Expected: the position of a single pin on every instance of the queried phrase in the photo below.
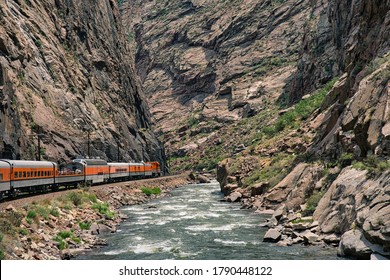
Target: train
(24, 176)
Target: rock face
(207, 64)
(343, 36)
(349, 40)
(355, 201)
(295, 187)
(66, 73)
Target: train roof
(29, 163)
(136, 164)
(118, 164)
(91, 161)
(4, 164)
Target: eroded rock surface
(65, 71)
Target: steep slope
(290, 97)
(344, 182)
(206, 65)
(66, 73)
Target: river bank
(63, 225)
(193, 223)
(347, 208)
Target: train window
(1, 176)
(16, 174)
(44, 173)
(20, 175)
(35, 174)
(24, 174)
(39, 173)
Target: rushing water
(192, 223)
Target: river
(193, 223)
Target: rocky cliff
(67, 76)
(351, 41)
(344, 181)
(290, 98)
(207, 65)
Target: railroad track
(23, 199)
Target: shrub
(92, 198)
(62, 244)
(345, 159)
(54, 212)
(373, 164)
(150, 191)
(273, 173)
(23, 231)
(103, 208)
(301, 111)
(31, 214)
(43, 212)
(64, 234)
(75, 198)
(85, 225)
(312, 202)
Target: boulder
(260, 188)
(309, 237)
(331, 239)
(354, 244)
(272, 235)
(203, 179)
(97, 229)
(222, 175)
(234, 196)
(279, 212)
(292, 190)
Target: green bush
(64, 234)
(55, 212)
(85, 225)
(104, 209)
(76, 198)
(272, 173)
(373, 164)
(150, 191)
(312, 202)
(61, 236)
(301, 111)
(23, 231)
(62, 244)
(31, 214)
(43, 212)
(345, 159)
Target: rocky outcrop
(66, 74)
(360, 127)
(354, 201)
(295, 187)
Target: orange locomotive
(38, 176)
